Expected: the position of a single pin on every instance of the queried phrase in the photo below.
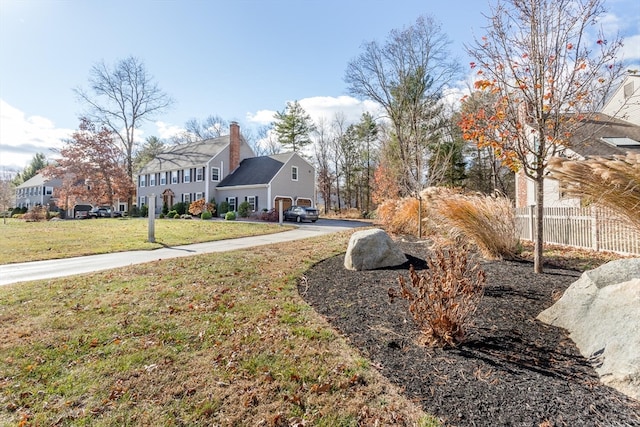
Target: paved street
(13, 273)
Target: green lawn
(216, 339)
(32, 241)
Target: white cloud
(21, 137)
(326, 107)
(631, 49)
(167, 131)
(323, 107)
(261, 117)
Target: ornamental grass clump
(613, 183)
(486, 221)
(400, 216)
(443, 298)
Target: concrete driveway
(37, 270)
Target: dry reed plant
(443, 298)
(612, 183)
(486, 221)
(400, 216)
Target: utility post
(152, 219)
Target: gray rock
(601, 311)
(371, 249)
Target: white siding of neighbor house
(624, 104)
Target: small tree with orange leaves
(536, 60)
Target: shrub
(144, 211)
(172, 214)
(200, 206)
(135, 212)
(165, 208)
(271, 216)
(176, 216)
(37, 213)
(161, 216)
(230, 216)
(206, 215)
(223, 207)
(180, 207)
(443, 298)
(243, 209)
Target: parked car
(300, 213)
(103, 212)
(82, 211)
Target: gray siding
(284, 186)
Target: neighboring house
(624, 104)
(600, 136)
(226, 169)
(37, 191)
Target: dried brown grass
(486, 221)
(613, 183)
(450, 216)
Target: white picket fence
(594, 228)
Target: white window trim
(186, 176)
(294, 171)
(218, 170)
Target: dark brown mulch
(512, 371)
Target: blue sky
(238, 59)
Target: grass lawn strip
(216, 339)
(35, 241)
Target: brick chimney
(234, 146)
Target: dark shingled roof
(588, 139)
(256, 170)
(186, 155)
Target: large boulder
(601, 311)
(371, 249)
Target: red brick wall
(234, 146)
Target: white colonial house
(226, 169)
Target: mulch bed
(512, 371)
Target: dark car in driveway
(300, 213)
(103, 212)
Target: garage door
(304, 202)
(286, 202)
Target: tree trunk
(539, 237)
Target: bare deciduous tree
(121, 99)
(407, 76)
(537, 58)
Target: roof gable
(35, 181)
(181, 156)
